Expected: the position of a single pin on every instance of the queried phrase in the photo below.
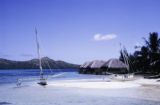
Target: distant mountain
(34, 64)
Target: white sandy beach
(76, 89)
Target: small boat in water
(42, 80)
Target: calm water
(11, 76)
(74, 96)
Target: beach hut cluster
(104, 67)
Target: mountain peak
(33, 64)
(46, 58)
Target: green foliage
(147, 58)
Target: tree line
(145, 58)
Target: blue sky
(75, 30)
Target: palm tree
(147, 58)
(153, 46)
(140, 59)
(144, 58)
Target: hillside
(34, 64)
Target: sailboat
(42, 80)
(125, 76)
(128, 76)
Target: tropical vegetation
(146, 58)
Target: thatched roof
(97, 64)
(112, 63)
(115, 63)
(86, 64)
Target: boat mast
(39, 56)
(124, 57)
(126, 60)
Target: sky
(75, 30)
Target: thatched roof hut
(111, 63)
(86, 64)
(97, 64)
(115, 66)
(100, 66)
(115, 63)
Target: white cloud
(100, 37)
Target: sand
(75, 89)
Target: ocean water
(11, 76)
(12, 95)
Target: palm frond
(147, 42)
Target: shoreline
(82, 90)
